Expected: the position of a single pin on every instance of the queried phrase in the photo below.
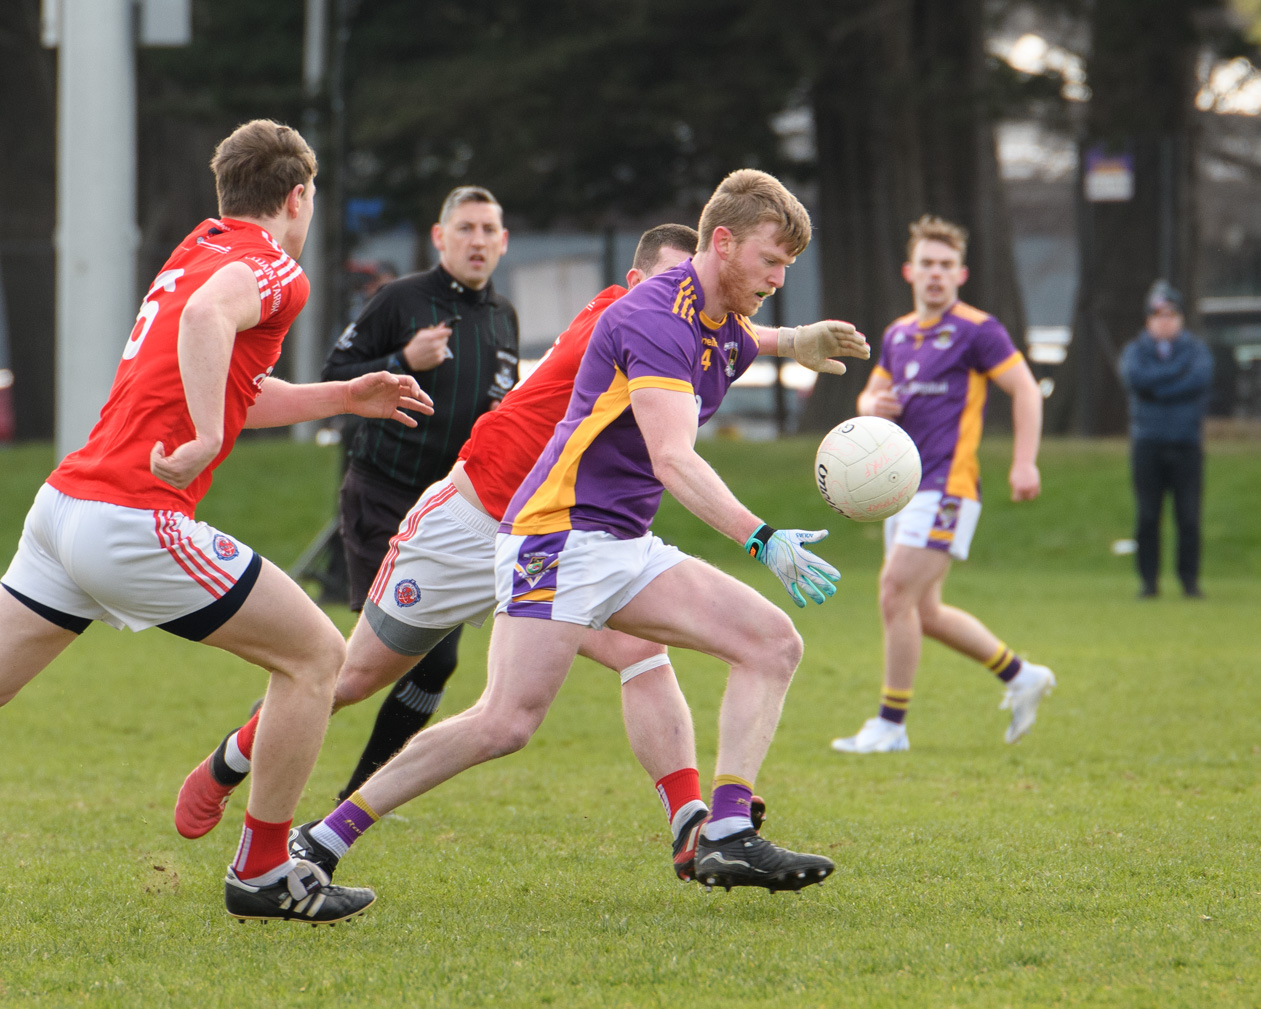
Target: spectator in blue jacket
(1168, 374)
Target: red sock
(245, 736)
(678, 788)
(264, 846)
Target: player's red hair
(748, 198)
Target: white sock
(234, 758)
(329, 838)
(716, 830)
(684, 814)
(273, 875)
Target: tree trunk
(28, 211)
(1142, 78)
(904, 127)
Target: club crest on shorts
(532, 567)
(407, 592)
(948, 512)
(224, 548)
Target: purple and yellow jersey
(940, 372)
(595, 472)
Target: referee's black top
(480, 368)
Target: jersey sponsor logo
(921, 389)
(224, 548)
(269, 282)
(407, 592)
(347, 338)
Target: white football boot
(878, 735)
(1024, 694)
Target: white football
(867, 468)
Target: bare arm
(1026, 422)
(223, 306)
(377, 394)
(668, 421)
(877, 398)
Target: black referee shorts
(370, 512)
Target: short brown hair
(258, 165)
(467, 194)
(748, 198)
(931, 228)
(663, 236)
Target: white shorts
(935, 521)
(438, 573)
(130, 567)
(579, 576)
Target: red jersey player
(439, 572)
(112, 535)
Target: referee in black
(450, 330)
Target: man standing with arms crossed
(111, 535)
(574, 551)
(450, 330)
(1168, 374)
(935, 364)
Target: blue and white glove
(799, 570)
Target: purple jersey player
(575, 552)
(596, 472)
(935, 368)
(940, 371)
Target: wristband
(396, 361)
(757, 542)
(785, 344)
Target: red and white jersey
(505, 443)
(146, 403)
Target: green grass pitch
(1110, 859)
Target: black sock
(219, 769)
(406, 710)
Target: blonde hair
(257, 165)
(748, 198)
(931, 228)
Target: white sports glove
(815, 345)
(799, 570)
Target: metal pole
(96, 236)
(310, 331)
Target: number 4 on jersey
(165, 281)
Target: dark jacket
(481, 369)
(1168, 393)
